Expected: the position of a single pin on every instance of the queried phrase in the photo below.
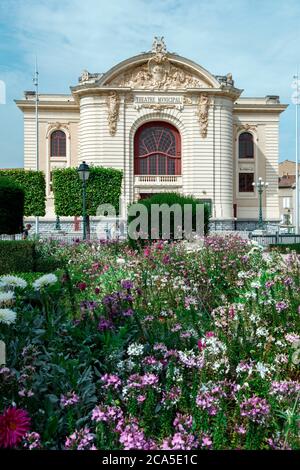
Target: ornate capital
(113, 108)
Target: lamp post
(84, 173)
(260, 185)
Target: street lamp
(84, 173)
(260, 185)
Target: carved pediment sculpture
(202, 113)
(158, 73)
(113, 107)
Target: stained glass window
(157, 150)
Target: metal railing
(275, 239)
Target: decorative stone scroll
(113, 108)
(202, 113)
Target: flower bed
(162, 349)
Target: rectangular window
(245, 182)
(286, 202)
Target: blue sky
(257, 41)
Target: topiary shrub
(34, 187)
(169, 199)
(16, 256)
(11, 207)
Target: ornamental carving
(158, 73)
(113, 108)
(57, 126)
(202, 113)
(247, 127)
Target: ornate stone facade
(204, 114)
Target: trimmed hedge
(102, 187)
(11, 207)
(285, 248)
(34, 186)
(170, 199)
(18, 256)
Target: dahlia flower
(7, 316)
(44, 281)
(12, 282)
(6, 297)
(14, 424)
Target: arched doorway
(157, 149)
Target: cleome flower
(7, 316)
(44, 281)
(11, 282)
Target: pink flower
(14, 423)
(80, 440)
(32, 440)
(209, 334)
(206, 442)
(70, 399)
(141, 398)
(111, 380)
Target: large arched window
(246, 147)
(58, 144)
(157, 150)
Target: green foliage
(170, 199)
(25, 256)
(177, 330)
(16, 256)
(285, 248)
(11, 207)
(34, 187)
(103, 187)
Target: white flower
(135, 349)
(262, 331)
(44, 281)
(261, 369)
(12, 282)
(120, 261)
(6, 297)
(255, 285)
(7, 316)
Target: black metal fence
(275, 239)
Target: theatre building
(169, 125)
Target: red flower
(14, 423)
(201, 345)
(81, 285)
